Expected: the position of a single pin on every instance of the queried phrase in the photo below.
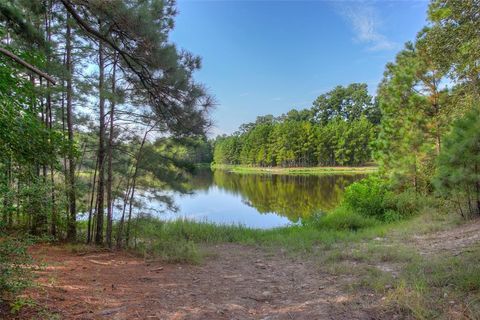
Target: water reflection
(294, 197)
(257, 201)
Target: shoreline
(295, 170)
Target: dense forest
(338, 129)
(94, 99)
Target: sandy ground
(234, 282)
(239, 282)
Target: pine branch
(27, 65)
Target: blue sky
(267, 57)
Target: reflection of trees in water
(294, 197)
(202, 179)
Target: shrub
(371, 197)
(367, 197)
(15, 274)
(405, 204)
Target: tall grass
(181, 240)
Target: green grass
(438, 287)
(180, 240)
(296, 170)
(409, 285)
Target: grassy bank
(296, 170)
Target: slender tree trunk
(122, 219)
(134, 180)
(64, 130)
(71, 230)
(109, 157)
(101, 146)
(49, 118)
(90, 211)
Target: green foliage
(343, 218)
(19, 303)
(348, 103)
(15, 274)
(337, 130)
(412, 123)
(453, 38)
(367, 197)
(458, 174)
(26, 145)
(405, 204)
(371, 197)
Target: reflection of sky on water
(219, 206)
(257, 201)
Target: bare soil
(234, 282)
(237, 282)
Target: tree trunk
(72, 230)
(89, 223)
(101, 146)
(134, 180)
(49, 119)
(109, 157)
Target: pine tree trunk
(72, 230)
(101, 146)
(134, 180)
(49, 119)
(109, 157)
(90, 211)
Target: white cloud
(366, 23)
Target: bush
(15, 274)
(367, 197)
(371, 197)
(405, 204)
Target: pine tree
(458, 173)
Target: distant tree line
(336, 131)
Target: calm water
(257, 201)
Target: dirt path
(239, 282)
(234, 282)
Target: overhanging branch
(27, 65)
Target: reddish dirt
(236, 282)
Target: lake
(253, 200)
